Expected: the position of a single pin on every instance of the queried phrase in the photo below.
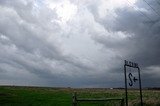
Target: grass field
(36, 96)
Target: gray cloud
(38, 47)
(143, 41)
(25, 43)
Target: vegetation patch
(45, 96)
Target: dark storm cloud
(143, 44)
(36, 51)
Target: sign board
(132, 78)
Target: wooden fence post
(122, 102)
(74, 99)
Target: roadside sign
(132, 78)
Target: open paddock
(48, 96)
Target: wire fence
(96, 101)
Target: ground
(47, 96)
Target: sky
(78, 43)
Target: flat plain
(48, 96)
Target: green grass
(34, 96)
(21, 96)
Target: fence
(75, 100)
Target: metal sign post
(132, 79)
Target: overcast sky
(78, 43)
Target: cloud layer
(78, 43)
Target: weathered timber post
(122, 102)
(74, 99)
